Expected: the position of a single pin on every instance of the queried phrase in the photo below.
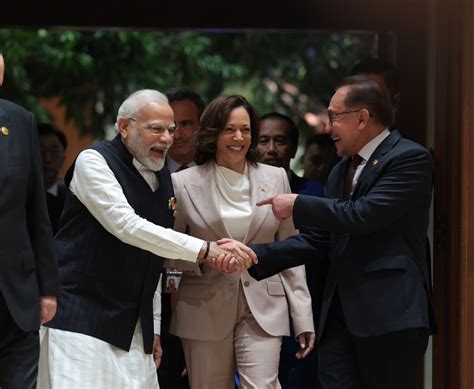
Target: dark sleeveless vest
(106, 284)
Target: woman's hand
(306, 341)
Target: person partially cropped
(235, 321)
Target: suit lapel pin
(262, 188)
(5, 131)
(375, 162)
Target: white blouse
(233, 190)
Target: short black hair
(366, 93)
(381, 67)
(293, 130)
(48, 129)
(180, 94)
(319, 139)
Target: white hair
(137, 100)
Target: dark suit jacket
(28, 267)
(56, 205)
(376, 241)
(304, 186)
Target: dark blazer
(28, 267)
(56, 205)
(304, 186)
(376, 241)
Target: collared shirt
(366, 152)
(173, 166)
(53, 189)
(95, 186)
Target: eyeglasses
(158, 130)
(334, 115)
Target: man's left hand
(48, 306)
(306, 341)
(157, 350)
(282, 205)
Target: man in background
(277, 145)
(53, 144)
(187, 107)
(29, 280)
(318, 158)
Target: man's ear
(396, 101)
(293, 151)
(364, 117)
(123, 126)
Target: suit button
(246, 283)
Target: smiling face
(233, 141)
(345, 129)
(186, 116)
(140, 135)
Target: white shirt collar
(53, 189)
(367, 151)
(173, 165)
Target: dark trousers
(388, 361)
(172, 363)
(19, 353)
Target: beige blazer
(206, 306)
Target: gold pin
(375, 162)
(5, 131)
(262, 188)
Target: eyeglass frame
(332, 116)
(158, 130)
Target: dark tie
(356, 160)
(182, 167)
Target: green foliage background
(93, 71)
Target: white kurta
(71, 360)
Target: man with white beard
(113, 235)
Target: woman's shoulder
(192, 172)
(269, 170)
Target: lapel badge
(261, 188)
(375, 162)
(5, 131)
(172, 205)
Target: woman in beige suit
(229, 321)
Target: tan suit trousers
(211, 365)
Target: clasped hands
(229, 256)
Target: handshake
(227, 255)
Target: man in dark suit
(377, 311)
(53, 144)
(277, 145)
(28, 271)
(187, 107)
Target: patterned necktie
(356, 160)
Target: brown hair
(213, 120)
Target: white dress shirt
(173, 165)
(366, 152)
